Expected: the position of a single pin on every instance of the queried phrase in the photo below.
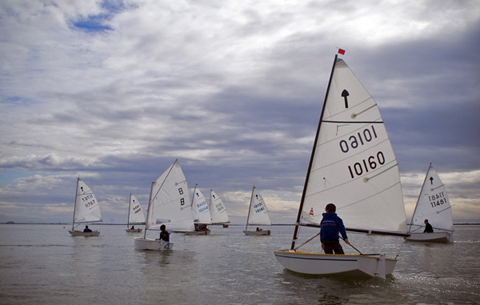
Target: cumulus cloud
(117, 90)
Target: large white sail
(354, 165)
(170, 202)
(87, 208)
(218, 212)
(135, 211)
(200, 209)
(433, 204)
(258, 213)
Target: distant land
(124, 224)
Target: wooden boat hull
(152, 244)
(81, 233)
(264, 232)
(138, 230)
(331, 264)
(439, 237)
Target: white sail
(354, 165)
(87, 208)
(170, 202)
(200, 209)
(135, 211)
(258, 212)
(218, 212)
(433, 204)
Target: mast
(129, 208)
(75, 205)
(148, 211)
(419, 196)
(249, 208)
(297, 223)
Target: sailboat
(201, 213)
(352, 165)
(135, 215)
(218, 211)
(86, 210)
(257, 214)
(169, 205)
(432, 204)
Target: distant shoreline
(232, 224)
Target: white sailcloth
(218, 212)
(258, 213)
(354, 165)
(87, 208)
(170, 201)
(135, 211)
(433, 204)
(200, 209)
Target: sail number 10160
(365, 165)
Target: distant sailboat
(135, 215)
(257, 214)
(201, 213)
(86, 210)
(169, 204)
(352, 165)
(432, 204)
(218, 212)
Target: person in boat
(259, 230)
(428, 227)
(87, 229)
(330, 226)
(132, 228)
(164, 235)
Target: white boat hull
(152, 244)
(138, 230)
(439, 237)
(331, 264)
(264, 232)
(81, 233)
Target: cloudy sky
(115, 91)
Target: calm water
(43, 264)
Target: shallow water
(43, 264)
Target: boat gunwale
(331, 255)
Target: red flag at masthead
(341, 51)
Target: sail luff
(249, 208)
(419, 196)
(149, 211)
(129, 209)
(302, 201)
(75, 205)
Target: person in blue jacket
(330, 226)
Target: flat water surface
(43, 264)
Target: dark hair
(162, 227)
(330, 208)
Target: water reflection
(166, 277)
